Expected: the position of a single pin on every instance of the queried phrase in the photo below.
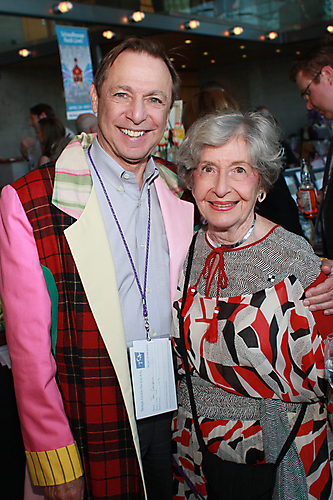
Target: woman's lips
(223, 206)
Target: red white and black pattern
(269, 346)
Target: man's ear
(94, 97)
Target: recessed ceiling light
(212, 61)
(183, 66)
(188, 41)
(205, 53)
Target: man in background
(87, 122)
(313, 74)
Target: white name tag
(153, 377)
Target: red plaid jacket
(92, 398)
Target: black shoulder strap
(292, 435)
(183, 347)
(201, 442)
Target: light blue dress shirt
(131, 207)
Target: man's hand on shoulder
(321, 297)
(74, 490)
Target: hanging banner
(76, 67)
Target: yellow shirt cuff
(48, 468)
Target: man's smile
(133, 133)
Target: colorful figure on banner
(77, 73)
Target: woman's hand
(321, 297)
(74, 490)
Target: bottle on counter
(308, 193)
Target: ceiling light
(108, 34)
(24, 52)
(191, 25)
(188, 41)
(330, 29)
(213, 61)
(242, 47)
(272, 35)
(244, 56)
(278, 51)
(237, 30)
(183, 66)
(172, 59)
(137, 16)
(205, 53)
(62, 7)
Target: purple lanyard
(143, 292)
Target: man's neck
(137, 168)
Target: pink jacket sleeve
(27, 313)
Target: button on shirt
(131, 207)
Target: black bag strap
(183, 347)
(201, 442)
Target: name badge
(153, 377)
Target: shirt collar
(109, 169)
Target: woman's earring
(261, 196)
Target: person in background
(87, 122)
(278, 205)
(30, 147)
(206, 101)
(52, 137)
(313, 73)
(256, 353)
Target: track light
(272, 35)
(62, 7)
(237, 30)
(191, 25)
(108, 34)
(136, 17)
(24, 52)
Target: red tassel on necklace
(211, 334)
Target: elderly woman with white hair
(255, 352)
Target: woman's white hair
(260, 134)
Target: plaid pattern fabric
(91, 393)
